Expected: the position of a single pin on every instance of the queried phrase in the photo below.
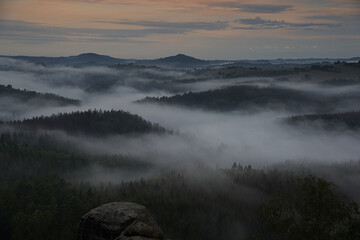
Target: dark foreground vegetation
(92, 122)
(45, 155)
(221, 204)
(315, 213)
(38, 200)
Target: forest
(331, 121)
(226, 152)
(48, 207)
(92, 122)
(26, 95)
(252, 98)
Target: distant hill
(177, 61)
(86, 59)
(92, 59)
(89, 58)
(181, 59)
(92, 122)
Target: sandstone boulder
(119, 221)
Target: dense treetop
(223, 205)
(349, 120)
(25, 95)
(243, 97)
(23, 155)
(93, 122)
(317, 212)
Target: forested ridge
(350, 120)
(26, 95)
(22, 154)
(295, 70)
(244, 97)
(92, 122)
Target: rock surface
(119, 221)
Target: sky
(206, 29)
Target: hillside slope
(92, 122)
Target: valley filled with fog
(254, 135)
(131, 122)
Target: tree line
(350, 120)
(26, 95)
(92, 122)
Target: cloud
(36, 33)
(259, 23)
(258, 8)
(85, 1)
(348, 18)
(325, 17)
(185, 26)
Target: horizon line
(258, 59)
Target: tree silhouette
(316, 213)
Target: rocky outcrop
(119, 221)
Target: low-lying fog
(205, 137)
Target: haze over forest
(251, 133)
